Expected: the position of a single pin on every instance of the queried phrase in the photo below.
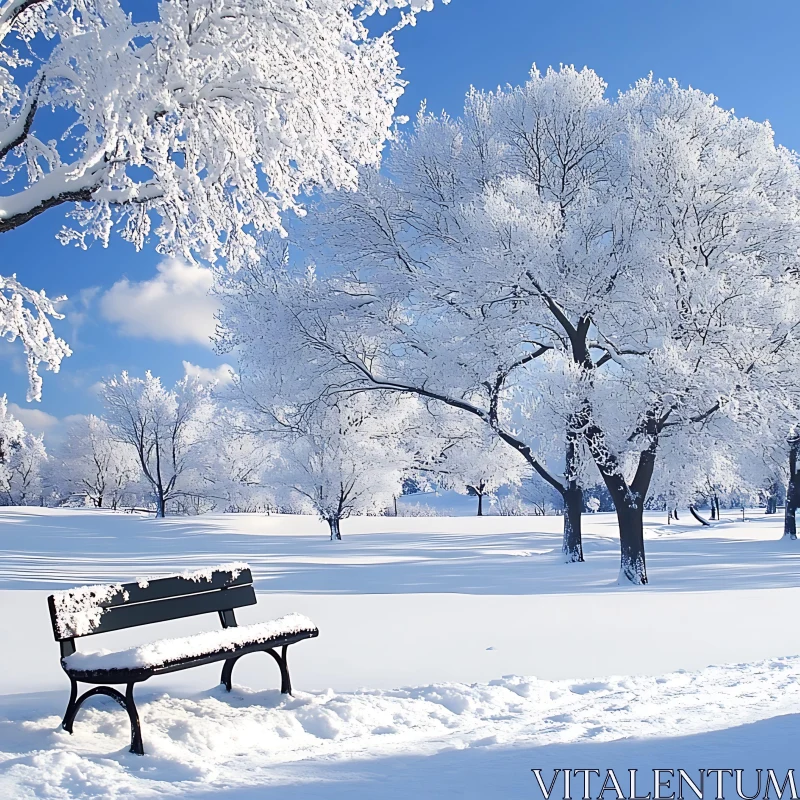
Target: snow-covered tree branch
(199, 124)
(25, 315)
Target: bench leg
(286, 682)
(283, 665)
(137, 746)
(126, 701)
(227, 672)
(72, 709)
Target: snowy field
(507, 658)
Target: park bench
(89, 610)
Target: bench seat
(170, 655)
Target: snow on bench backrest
(85, 610)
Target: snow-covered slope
(446, 605)
(247, 743)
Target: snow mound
(167, 651)
(251, 739)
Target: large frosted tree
(627, 267)
(200, 126)
(458, 453)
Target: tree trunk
(573, 514)
(772, 500)
(631, 540)
(480, 490)
(572, 546)
(716, 504)
(792, 491)
(336, 534)
(792, 502)
(161, 509)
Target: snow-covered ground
(446, 606)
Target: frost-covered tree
(165, 427)
(464, 457)
(345, 459)
(22, 459)
(92, 461)
(26, 465)
(199, 125)
(234, 468)
(639, 254)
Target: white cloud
(40, 422)
(173, 306)
(77, 309)
(222, 375)
(33, 419)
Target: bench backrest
(87, 610)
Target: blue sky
(741, 50)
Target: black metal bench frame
(160, 600)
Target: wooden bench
(88, 610)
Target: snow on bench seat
(168, 651)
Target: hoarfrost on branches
(208, 119)
(25, 315)
(199, 126)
